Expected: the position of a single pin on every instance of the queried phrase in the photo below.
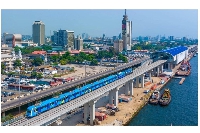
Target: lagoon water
(183, 108)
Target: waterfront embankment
(131, 109)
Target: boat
(178, 77)
(165, 98)
(154, 97)
(184, 69)
(195, 55)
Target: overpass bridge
(89, 99)
(34, 97)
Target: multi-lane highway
(33, 97)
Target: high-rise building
(171, 38)
(85, 36)
(64, 38)
(12, 40)
(118, 45)
(126, 32)
(78, 45)
(114, 38)
(120, 36)
(38, 32)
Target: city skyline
(178, 23)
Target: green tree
(39, 75)
(34, 74)
(94, 62)
(3, 67)
(46, 47)
(112, 51)
(63, 61)
(82, 55)
(90, 57)
(54, 58)
(71, 59)
(37, 61)
(16, 48)
(17, 63)
(66, 55)
(79, 59)
(11, 73)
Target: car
(6, 79)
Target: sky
(96, 22)
(145, 22)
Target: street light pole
(117, 61)
(85, 72)
(19, 89)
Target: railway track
(33, 97)
(56, 113)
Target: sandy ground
(80, 70)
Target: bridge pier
(150, 75)
(116, 96)
(131, 87)
(161, 68)
(158, 71)
(137, 81)
(154, 72)
(92, 112)
(126, 88)
(111, 97)
(142, 81)
(3, 114)
(169, 66)
(86, 112)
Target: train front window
(28, 111)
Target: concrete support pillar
(155, 72)
(142, 81)
(111, 97)
(131, 87)
(126, 88)
(86, 112)
(3, 114)
(169, 66)
(161, 68)
(92, 112)
(158, 71)
(116, 96)
(150, 75)
(137, 81)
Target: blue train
(48, 104)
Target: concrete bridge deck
(54, 114)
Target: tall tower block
(126, 32)
(38, 32)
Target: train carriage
(95, 85)
(82, 90)
(61, 99)
(66, 97)
(76, 93)
(30, 112)
(71, 97)
(46, 105)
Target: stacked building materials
(100, 116)
(153, 87)
(110, 106)
(147, 83)
(124, 98)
